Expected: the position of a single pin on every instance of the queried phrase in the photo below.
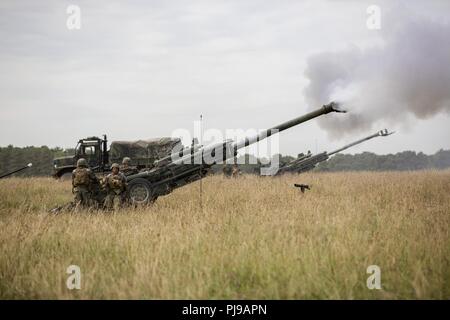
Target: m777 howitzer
(15, 171)
(308, 162)
(181, 167)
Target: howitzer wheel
(141, 191)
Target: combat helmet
(82, 162)
(126, 160)
(115, 165)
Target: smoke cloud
(407, 75)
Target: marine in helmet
(226, 170)
(126, 168)
(83, 181)
(235, 172)
(115, 186)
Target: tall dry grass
(253, 238)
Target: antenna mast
(201, 166)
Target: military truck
(95, 150)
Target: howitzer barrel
(228, 148)
(15, 171)
(309, 163)
(381, 133)
(331, 107)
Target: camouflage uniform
(227, 170)
(235, 172)
(83, 179)
(116, 186)
(126, 169)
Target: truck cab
(93, 149)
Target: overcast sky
(141, 69)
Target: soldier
(235, 172)
(83, 179)
(116, 186)
(126, 168)
(225, 170)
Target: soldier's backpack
(115, 181)
(81, 177)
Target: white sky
(142, 69)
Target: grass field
(253, 238)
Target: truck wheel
(141, 191)
(66, 176)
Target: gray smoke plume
(409, 74)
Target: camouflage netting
(142, 151)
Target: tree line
(366, 161)
(406, 160)
(12, 158)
